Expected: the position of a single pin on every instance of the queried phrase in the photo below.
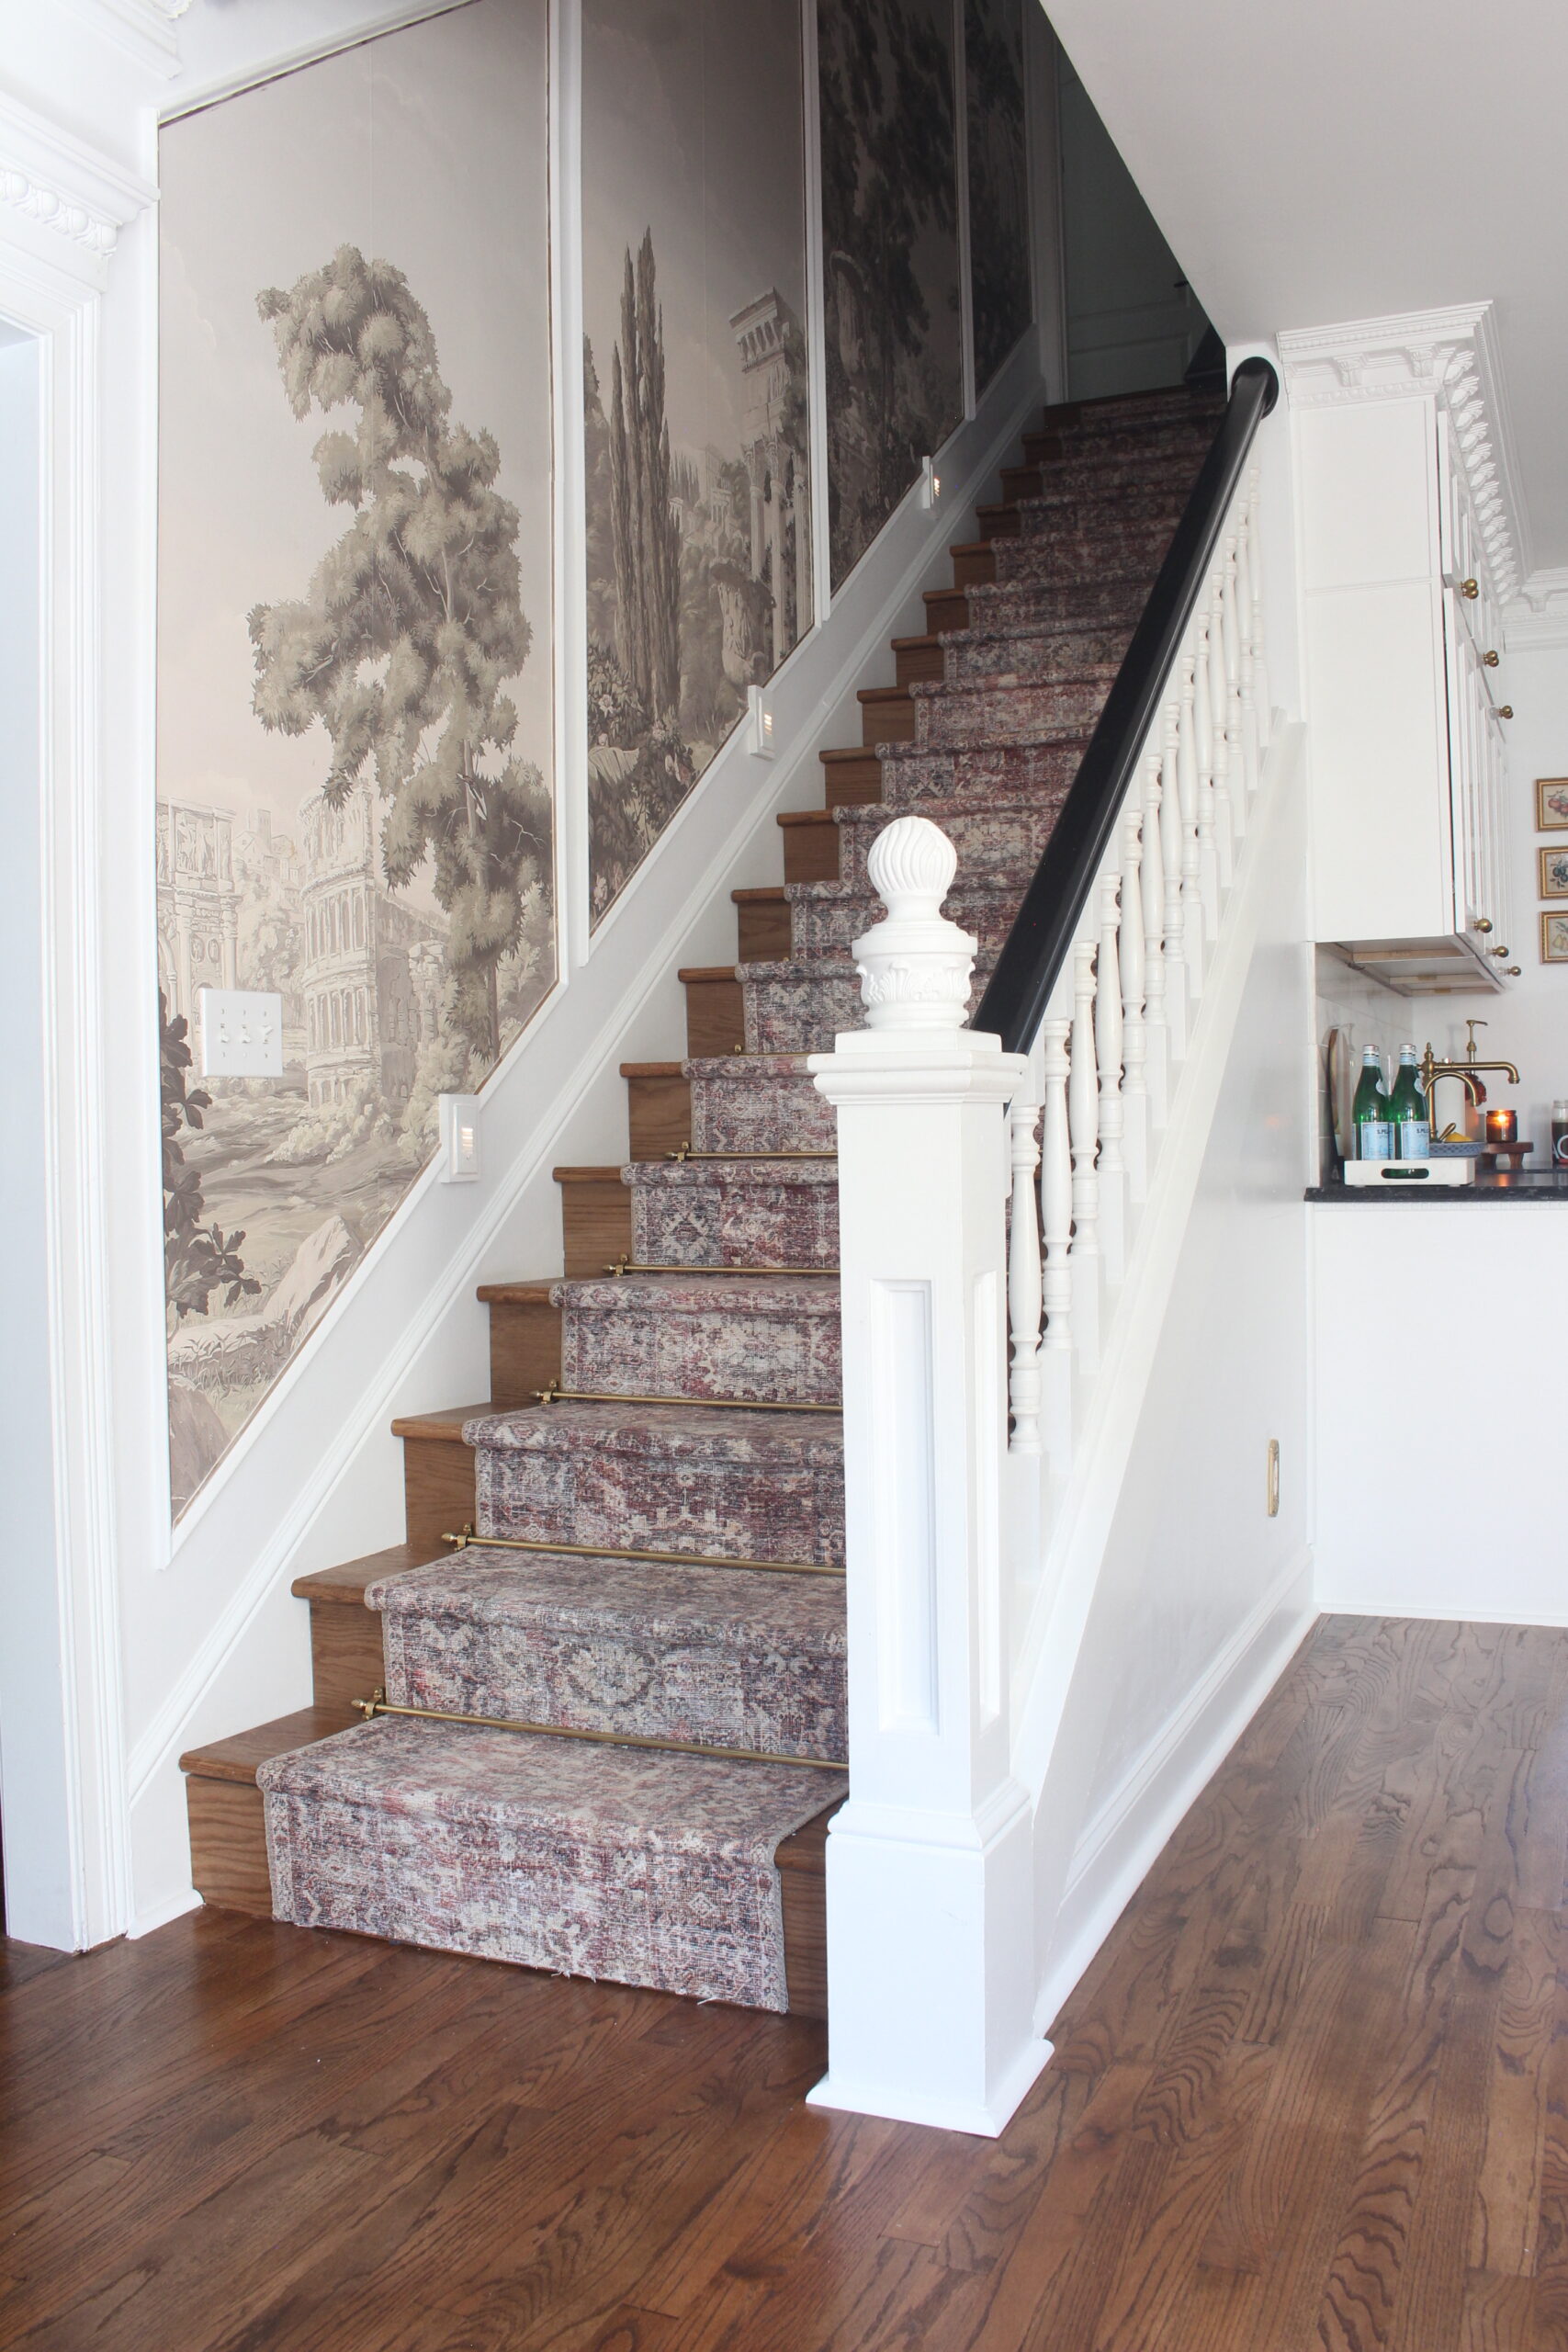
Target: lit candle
(1502, 1127)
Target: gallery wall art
(698, 493)
(893, 324)
(1001, 297)
(355, 724)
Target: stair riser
(950, 717)
(728, 1220)
(830, 926)
(726, 1510)
(739, 1107)
(997, 607)
(722, 1352)
(1034, 658)
(1118, 459)
(999, 772)
(804, 1015)
(1161, 410)
(770, 1698)
(1059, 510)
(993, 842)
(1051, 561)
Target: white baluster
(1083, 1122)
(1203, 752)
(1248, 707)
(1235, 754)
(1134, 1087)
(1172, 857)
(1259, 660)
(1219, 712)
(1056, 1226)
(1112, 1170)
(1025, 1293)
(1157, 1036)
(1193, 925)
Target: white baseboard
(1121, 1844)
(1485, 1613)
(987, 2119)
(158, 1915)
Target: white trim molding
(144, 30)
(1449, 357)
(1537, 616)
(58, 183)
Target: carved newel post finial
(915, 967)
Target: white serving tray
(1410, 1172)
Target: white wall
(1202, 1596)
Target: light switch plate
(242, 1033)
(459, 1115)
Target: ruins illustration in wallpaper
(893, 328)
(1000, 288)
(354, 687)
(694, 390)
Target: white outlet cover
(242, 1033)
(459, 1156)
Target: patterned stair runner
(696, 1416)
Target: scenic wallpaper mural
(354, 665)
(1000, 284)
(694, 392)
(892, 326)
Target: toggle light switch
(242, 1033)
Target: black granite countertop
(1543, 1185)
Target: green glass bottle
(1369, 1111)
(1409, 1110)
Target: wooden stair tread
(445, 1422)
(236, 1758)
(929, 642)
(849, 752)
(588, 1175)
(344, 1586)
(882, 693)
(700, 972)
(807, 816)
(769, 894)
(653, 1069)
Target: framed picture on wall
(1551, 804)
(1554, 939)
(1553, 865)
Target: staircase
(655, 1587)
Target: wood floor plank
(1313, 2093)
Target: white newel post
(930, 1942)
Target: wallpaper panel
(694, 392)
(893, 323)
(353, 664)
(1002, 289)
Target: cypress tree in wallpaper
(890, 256)
(694, 393)
(1001, 292)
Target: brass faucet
(1432, 1070)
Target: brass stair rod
(686, 1153)
(554, 1396)
(381, 1705)
(663, 1559)
(631, 1266)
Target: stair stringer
(1056, 1743)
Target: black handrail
(1020, 988)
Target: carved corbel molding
(1449, 357)
(57, 182)
(1537, 616)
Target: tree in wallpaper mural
(412, 624)
(890, 254)
(695, 394)
(1002, 291)
(355, 685)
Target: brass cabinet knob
(1471, 588)
(1483, 922)
(1511, 971)
(1496, 951)
(1505, 711)
(1491, 659)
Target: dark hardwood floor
(1314, 2092)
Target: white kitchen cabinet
(1405, 739)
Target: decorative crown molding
(144, 29)
(55, 180)
(1447, 355)
(1537, 616)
